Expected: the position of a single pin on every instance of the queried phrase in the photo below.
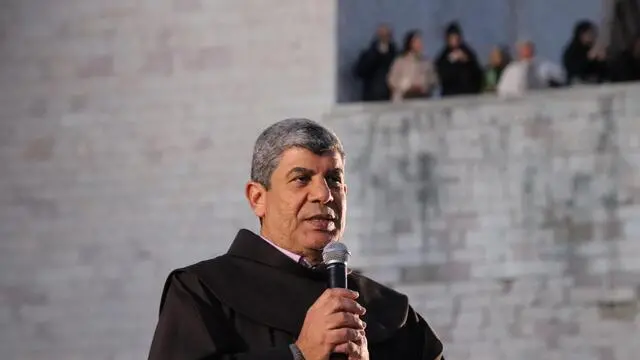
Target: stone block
(497, 221)
(441, 304)
(384, 275)
(631, 229)
(438, 318)
(476, 303)
(466, 334)
(471, 254)
(474, 287)
(586, 296)
(448, 272)
(595, 249)
(625, 278)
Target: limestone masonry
(126, 130)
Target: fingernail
(364, 325)
(356, 294)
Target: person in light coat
(411, 75)
(529, 73)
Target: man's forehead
(304, 158)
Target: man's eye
(335, 180)
(302, 179)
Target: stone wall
(513, 225)
(125, 136)
(126, 130)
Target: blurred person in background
(457, 65)
(528, 73)
(412, 75)
(583, 61)
(499, 59)
(626, 66)
(374, 63)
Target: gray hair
(285, 134)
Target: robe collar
(268, 287)
(249, 246)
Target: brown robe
(250, 304)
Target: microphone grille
(335, 252)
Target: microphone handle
(337, 279)
(337, 275)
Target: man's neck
(312, 256)
(291, 254)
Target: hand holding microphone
(332, 324)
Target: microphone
(335, 257)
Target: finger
(362, 341)
(338, 292)
(342, 348)
(345, 320)
(329, 296)
(353, 350)
(341, 304)
(344, 335)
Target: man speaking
(267, 298)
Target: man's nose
(320, 192)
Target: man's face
(304, 209)
(527, 51)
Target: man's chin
(319, 239)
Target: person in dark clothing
(457, 65)
(582, 60)
(626, 66)
(374, 63)
(267, 298)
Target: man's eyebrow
(303, 170)
(300, 170)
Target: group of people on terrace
(391, 72)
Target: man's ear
(256, 193)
